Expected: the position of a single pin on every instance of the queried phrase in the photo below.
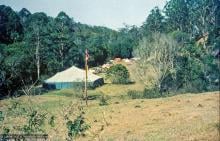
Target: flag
(87, 55)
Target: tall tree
(157, 55)
(36, 32)
(177, 15)
(24, 14)
(203, 17)
(154, 22)
(64, 30)
(10, 26)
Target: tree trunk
(204, 32)
(61, 54)
(38, 56)
(62, 46)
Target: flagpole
(86, 79)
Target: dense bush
(178, 68)
(36, 121)
(77, 127)
(196, 70)
(152, 93)
(1, 116)
(103, 100)
(135, 94)
(118, 74)
(147, 93)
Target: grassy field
(185, 117)
(182, 117)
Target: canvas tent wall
(72, 77)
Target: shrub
(15, 109)
(103, 100)
(137, 106)
(217, 125)
(35, 122)
(180, 37)
(151, 93)
(147, 93)
(77, 127)
(1, 116)
(135, 94)
(118, 74)
(52, 121)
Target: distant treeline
(35, 46)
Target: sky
(110, 13)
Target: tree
(196, 69)
(177, 15)
(10, 27)
(154, 22)
(157, 55)
(24, 14)
(203, 17)
(63, 31)
(16, 68)
(97, 51)
(180, 37)
(2, 71)
(37, 24)
(126, 39)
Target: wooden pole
(86, 79)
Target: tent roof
(72, 74)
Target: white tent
(72, 77)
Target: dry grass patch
(172, 118)
(160, 119)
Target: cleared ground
(183, 117)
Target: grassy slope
(182, 117)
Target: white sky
(109, 13)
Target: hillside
(182, 117)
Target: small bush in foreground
(118, 74)
(103, 100)
(77, 127)
(135, 94)
(1, 116)
(217, 126)
(151, 93)
(36, 120)
(147, 93)
(52, 121)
